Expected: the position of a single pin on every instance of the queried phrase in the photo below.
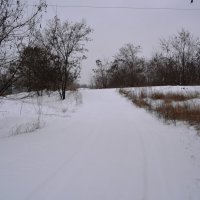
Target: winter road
(107, 150)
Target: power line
(124, 7)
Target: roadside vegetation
(169, 106)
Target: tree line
(177, 62)
(34, 58)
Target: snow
(95, 145)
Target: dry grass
(173, 96)
(137, 98)
(187, 113)
(167, 109)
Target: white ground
(100, 148)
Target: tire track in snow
(153, 169)
(154, 175)
(138, 132)
(145, 166)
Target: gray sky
(115, 27)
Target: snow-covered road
(107, 150)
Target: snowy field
(95, 145)
(25, 113)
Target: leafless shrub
(26, 127)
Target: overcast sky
(115, 27)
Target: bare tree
(182, 49)
(67, 42)
(131, 63)
(15, 29)
(101, 74)
(126, 70)
(161, 70)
